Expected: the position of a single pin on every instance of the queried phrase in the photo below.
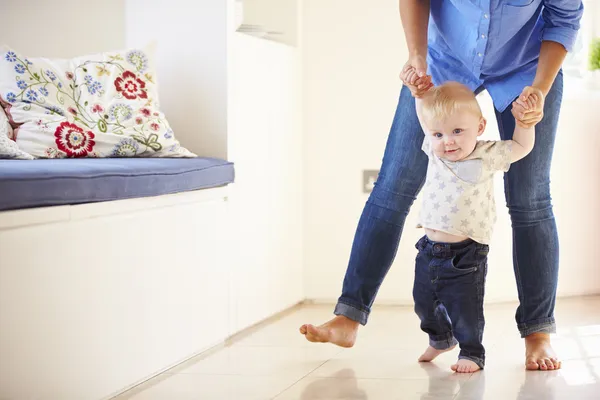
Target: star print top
(458, 196)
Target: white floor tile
(213, 387)
(276, 362)
(264, 361)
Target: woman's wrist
(416, 53)
(544, 87)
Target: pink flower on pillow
(131, 86)
(71, 139)
(97, 108)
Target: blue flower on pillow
(31, 95)
(54, 110)
(20, 68)
(11, 97)
(95, 87)
(50, 75)
(22, 84)
(43, 91)
(11, 56)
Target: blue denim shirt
(496, 43)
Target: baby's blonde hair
(447, 99)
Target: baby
(458, 214)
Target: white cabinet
(265, 143)
(237, 96)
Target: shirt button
(483, 36)
(486, 16)
(480, 55)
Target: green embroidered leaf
(86, 103)
(102, 125)
(84, 69)
(153, 142)
(36, 76)
(155, 146)
(139, 139)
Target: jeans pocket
(465, 269)
(467, 261)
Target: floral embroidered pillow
(103, 105)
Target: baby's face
(455, 137)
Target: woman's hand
(414, 76)
(528, 108)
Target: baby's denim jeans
(448, 293)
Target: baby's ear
(482, 125)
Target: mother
(508, 48)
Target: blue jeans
(527, 192)
(448, 292)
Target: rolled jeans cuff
(351, 312)
(442, 343)
(546, 325)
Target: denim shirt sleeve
(561, 21)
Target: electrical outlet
(369, 178)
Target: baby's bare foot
(465, 366)
(431, 353)
(340, 331)
(539, 353)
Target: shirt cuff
(564, 36)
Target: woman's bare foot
(465, 366)
(539, 353)
(340, 331)
(431, 353)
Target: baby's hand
(528, 100)
(528, 108)
(418, 84)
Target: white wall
(191, 58)
(65, 28)
(352, 55)
(274, 15)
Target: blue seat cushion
(36, 183)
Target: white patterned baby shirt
(458, 196)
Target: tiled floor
(275, 362)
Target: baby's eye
(457, 131)
(438, 135)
